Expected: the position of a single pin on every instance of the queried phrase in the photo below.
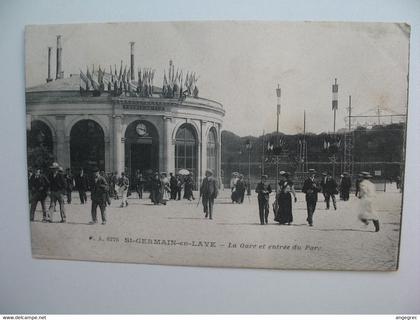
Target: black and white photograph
(245, 144)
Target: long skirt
(367, 209)
(284, 208)
(236, 196)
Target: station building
(97, 119)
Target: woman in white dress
(367, 197)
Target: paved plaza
(179, 234)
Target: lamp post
(278, 93)
(249, 147)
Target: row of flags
(175, 85)
(120, 81)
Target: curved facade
(126, 133)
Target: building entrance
(141, 149)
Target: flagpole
(278, 93)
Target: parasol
(184, 172)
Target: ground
(179, 234)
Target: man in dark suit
(345, 186)
(263, 190)
(208, 192)
(82, 185)
(38, 185)
(311, 189)
(98, 195)
(69, 184)
(174, 185)
(57, 190)
(329, 189)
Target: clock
(141, 129)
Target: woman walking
(283, 212)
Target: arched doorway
(40, 145)
(141, 148)
(87, 146)
(186, 150)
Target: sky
(240, 64)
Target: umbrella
(184, 172)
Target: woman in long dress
(367, 195)
(166, 188)
(156, 189)
(188, 188)
(283, 206)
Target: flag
(120, 74)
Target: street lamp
(249, 147)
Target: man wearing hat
(329, 189)
(69, 184)
(367, 197)
(208, 192)
(345, 186)
(263, 190)
(57, 189)
(98, 195)
(81, 182)
(311, 189)
(38, 185)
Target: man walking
(311, 189)
(69, 184)
(263, 190)
(99, 196)
(329, 189)
(139, 184)
(57, 189)
(345, 186)
(38, 185)
(82, 185)
(208, 192)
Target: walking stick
(198, 203)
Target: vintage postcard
(226, 144)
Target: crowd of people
(103, 187)
(312, 186)
(56, 184)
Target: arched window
(212, 151)
(186, 149)
(87, 145)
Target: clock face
(141, 129)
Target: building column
(169, 150)
(66, 149)
(204, 148)
(108, 166)
(61, 140)
(118, 144)
(219, 153)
